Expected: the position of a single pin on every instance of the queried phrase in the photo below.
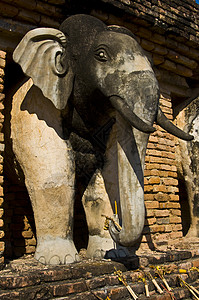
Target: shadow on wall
(19, 226)
(184, 206)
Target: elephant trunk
(131, 147)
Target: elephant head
(103, 72)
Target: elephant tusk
(122, 237)
(126, 112)
(171, 128)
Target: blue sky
(197, 1)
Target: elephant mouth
(128, 115)
(126, 112)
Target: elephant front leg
(51, 189)
(96, 204)
(48, 165)
(53, 212)
(52, 195)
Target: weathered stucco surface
(188, 155)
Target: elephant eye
(101, 55)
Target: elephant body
(94, 95)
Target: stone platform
(25, 278)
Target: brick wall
(163, 221)
(2, 67)
(19, 223)
(176, 17)
(20, 16)
(157, 26)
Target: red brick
(27, 234)
(155, 172)
(160, 50)
(167, 142)
(159, 188)
(175, 212)
(163, 205)
(161, 213)
(175, 235)
(174, 197)
(144, 32)
(158, 38)
(153, 139)
(170, 181)
(160, 160)
(2, 246)
(148, 197)
(148, 188)
(151, 204)
(173, 174)
(154, 180)
(150, 166)
(174, 219)
(166, 103)
(177, 227)
(2, 63)
(172, 189)
(96, 282)
(119, 293)
(2, 54)
(146, 45)
(150, 213)
(147, 173)
(47, 21)
(154, 152)
(195, 263)
(1, 212)
(1, 105)
(151, 146)
(157, 228)
(162, 197)
(158, 59)
(68, 288)
(168, 228)
(184, 71)
(150, 221)
(163, 221)
(112, 280)
(167, 167)
(2, 73)
(31, 242)
(167, 110)
(173, 205)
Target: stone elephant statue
(87, 80)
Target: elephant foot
(98, 246)
(56, 251)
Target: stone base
(91, 279)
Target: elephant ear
(43, 57)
